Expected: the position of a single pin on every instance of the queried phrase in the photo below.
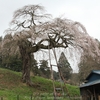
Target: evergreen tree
(34, 68)
(44, 69)
(55, 75)
(65, 66)
(9, 59)
(12, 62)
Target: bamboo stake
(52, 77)
(60, 74)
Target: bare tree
(34, 30)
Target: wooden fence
(39, 97)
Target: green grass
(11, 87)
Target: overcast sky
(85, 11)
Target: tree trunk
(26, 59)
(26, 69)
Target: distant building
(90, 90)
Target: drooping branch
(32, 33)
(28, 16)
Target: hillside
(11, 86)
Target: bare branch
(29, 16)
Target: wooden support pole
(1, 98)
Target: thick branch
(51, 44)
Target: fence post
(17, 97)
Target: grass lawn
(11, 87)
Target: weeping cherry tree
(33, 30)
